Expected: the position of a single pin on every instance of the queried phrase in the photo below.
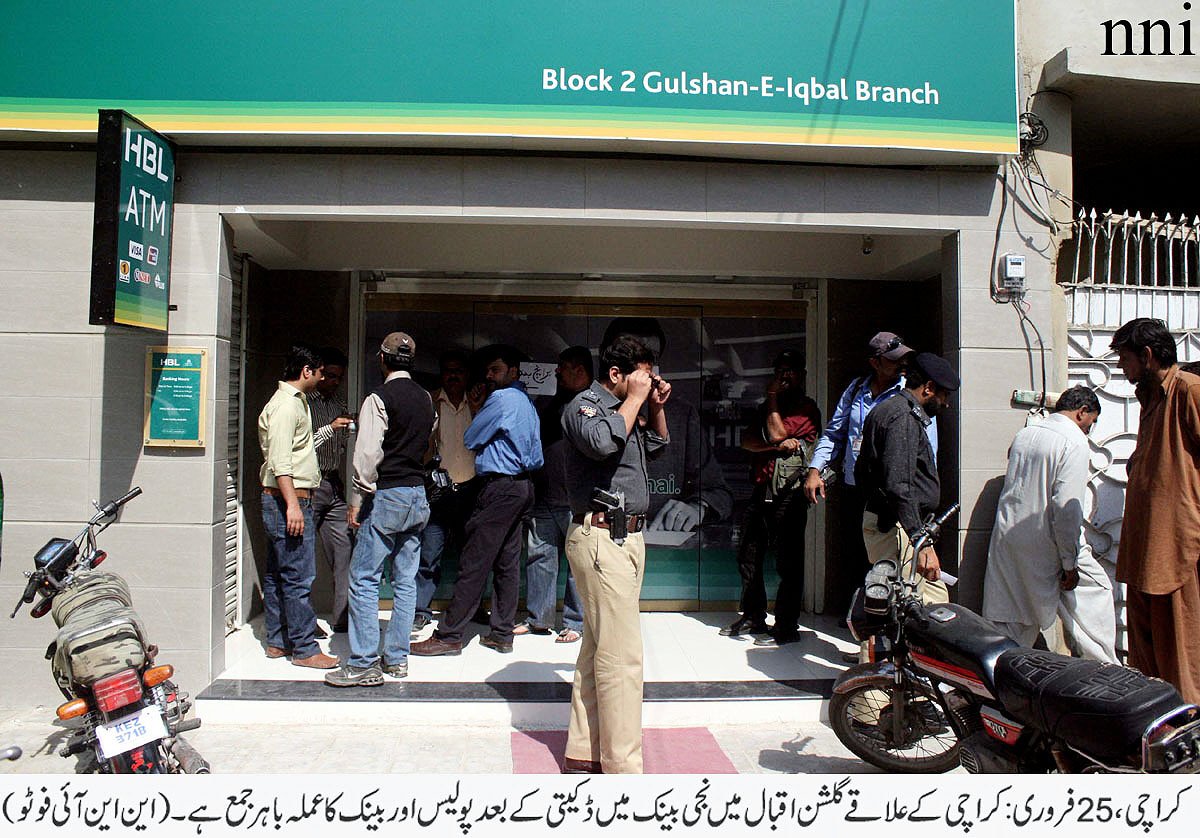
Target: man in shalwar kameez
(1160, 535)
(1039, 563)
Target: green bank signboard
(131, 238)
(176, 378)
(934, 74)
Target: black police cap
(937, 370)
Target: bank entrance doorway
(718, 355)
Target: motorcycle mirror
(98, 557)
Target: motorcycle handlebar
(30, 589)
(113, 506)
(931, 529)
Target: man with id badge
(609, 492)
(843, 438)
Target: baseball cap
(937, 370)
(398, 344)
(888, 345)
(790, 358)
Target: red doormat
(672, 750)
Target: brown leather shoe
(274, 652)
(435, 646)
(580, 766)
(318, 661)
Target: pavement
(408, 732)
(331, 748)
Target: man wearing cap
(505, 436)
(389, 510)
(779, 442)
(886, 353)
(897, 472)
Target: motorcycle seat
(1100, 709)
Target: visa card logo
(136, 250)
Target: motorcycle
(130, 713)
(943, 687)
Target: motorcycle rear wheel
(861, 718)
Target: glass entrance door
(718, 358)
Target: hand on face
(476, 396)
(638, 385)
(660, 392)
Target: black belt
(633, 523)
(495, 475)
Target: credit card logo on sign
(152, 255)
(141, 276)
(135, 250)
(124, 272)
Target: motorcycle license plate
(131, 732)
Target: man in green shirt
(289, 475)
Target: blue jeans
(390, 524)
(545, 540)
(288, 579)
(429, 570)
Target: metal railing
(1128, 250)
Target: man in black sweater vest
(389, 509)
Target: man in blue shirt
(843, 436)
(506, 438)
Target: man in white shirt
(1039, 564)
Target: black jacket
(896, 469)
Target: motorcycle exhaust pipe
(190, 761)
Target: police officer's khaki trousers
(892, 544)
(606, 701)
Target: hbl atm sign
(131, 243)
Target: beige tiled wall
(71, 394)
(71, 412)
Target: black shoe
(778, 638)
(419, 622)
(499, 645)
(321, 634)
(341, 628)
(745, 625)
(481, 616)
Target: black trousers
(329, 517)
(780, 523)
(493, 538)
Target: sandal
(526, 628)
(568, 635)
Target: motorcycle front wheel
(864, 721)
